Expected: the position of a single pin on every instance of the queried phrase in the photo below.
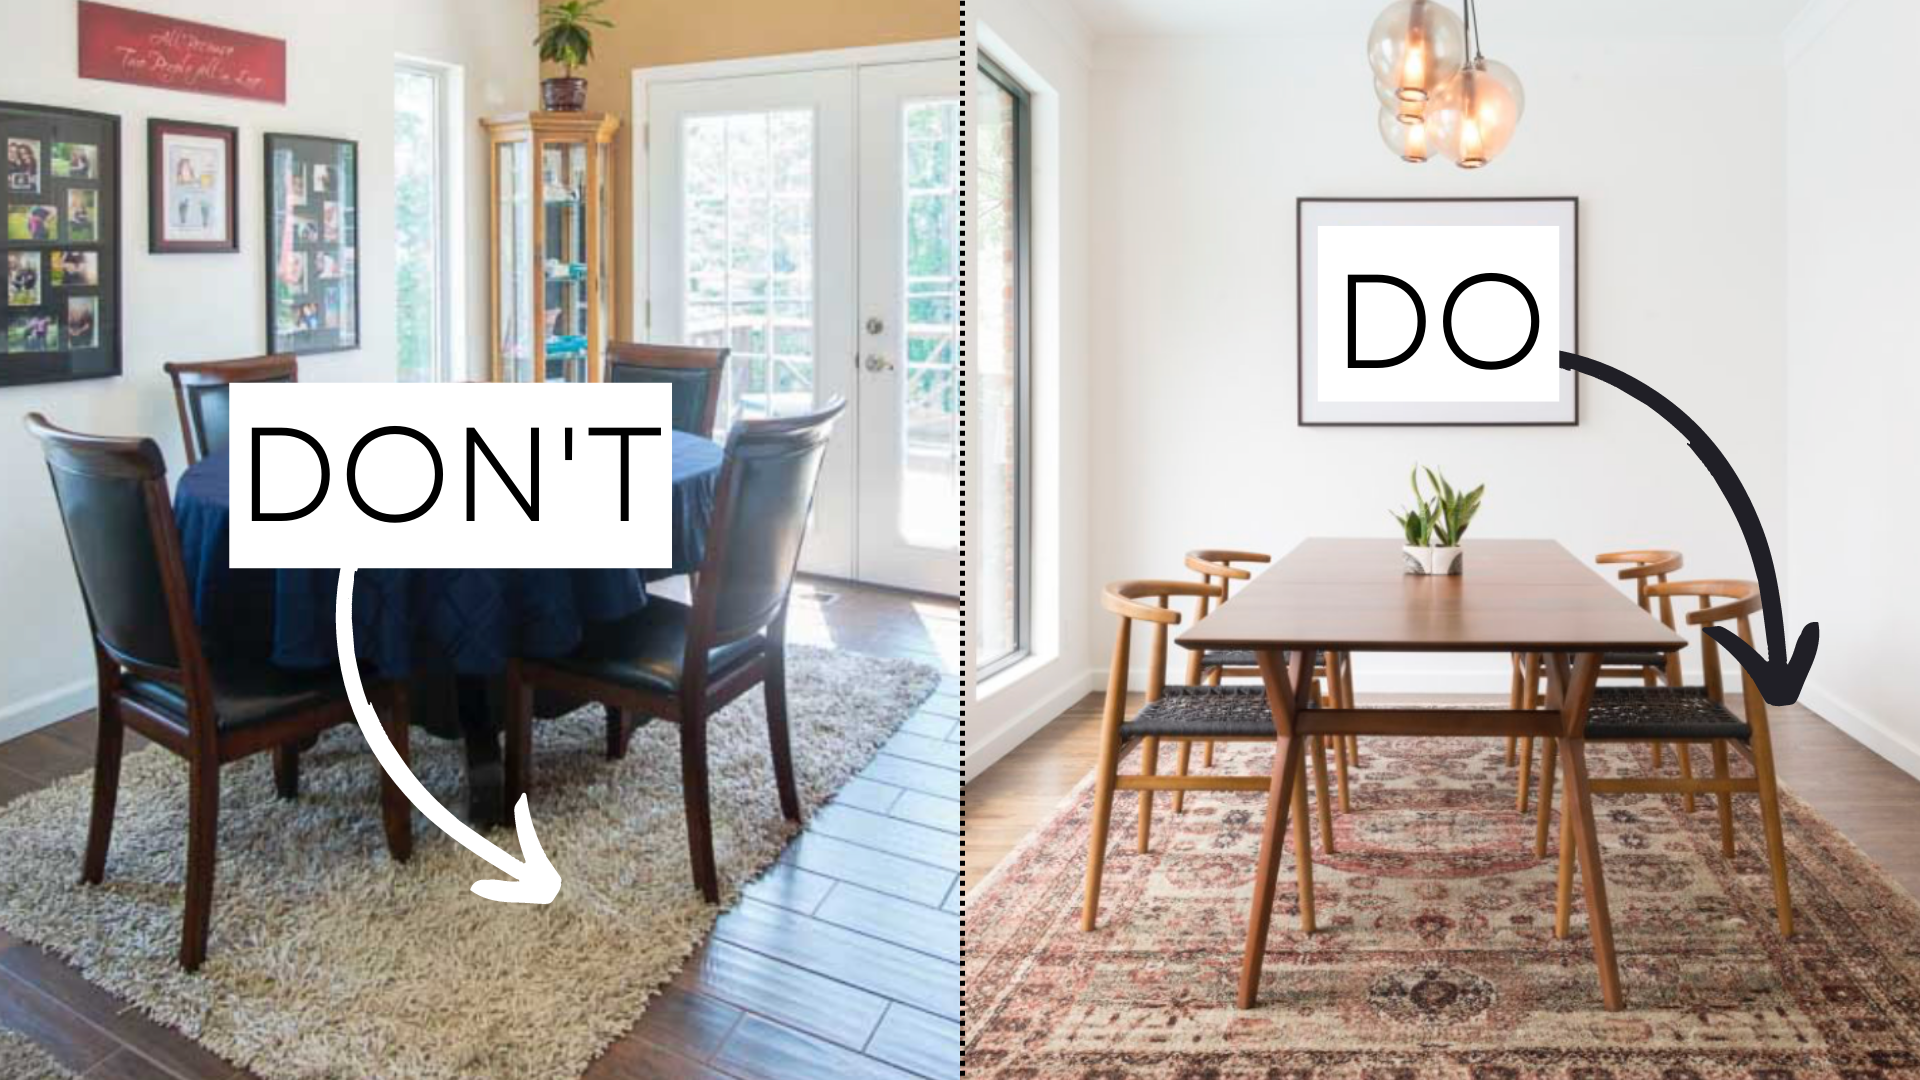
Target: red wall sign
(152, 50)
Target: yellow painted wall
(649, 33)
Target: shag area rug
(329, 960)
(1435, 954)
(20, 1059)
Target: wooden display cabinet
(550, 245)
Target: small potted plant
(1434, 526)
(566, 39)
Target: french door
(809, 221)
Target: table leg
(1573, 762)
(1317, 750)
(1282, 794)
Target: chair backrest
(1738, 601)
(1125, 599)
(759, 524)
(200, 392)
(1216, 567)
(113, 501)
(693, 373)
(1644, 568)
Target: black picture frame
(1301, 272)
(40, 316)
(312, 254)
(159, 212)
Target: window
(996, 354)
(424, 193)
(931, 206)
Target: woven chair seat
(1661, 712)
(1634, 659)
(1204, 712)
(1242, 658)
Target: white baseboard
(1899, 749)
(982, 754)
(51, 707)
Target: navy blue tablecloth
(410, 622)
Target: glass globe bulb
(1415, 46)
(1404, 111)
(1410, 141)
(1473, 118)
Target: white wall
(204, 307)
(1043, 44)
(1200, 148)
(1853, 226)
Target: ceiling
(1524, 18)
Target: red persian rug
(1435, 954)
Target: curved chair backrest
(1126, 599)
(112, 495)
(1645, 568)
(760, 522)
(693, 373)
(200, 392)
(1216, 567)
(1738, 601)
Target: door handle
(878, 364)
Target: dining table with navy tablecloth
(409, 623)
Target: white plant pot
(1432, 560)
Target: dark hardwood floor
(843, 961)
(1866, 797)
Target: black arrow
(1780, 675)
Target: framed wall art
(60, 204)
(313, 244)
(1438, 311)
(192, 194)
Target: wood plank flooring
(1865, 796)
(842, 962)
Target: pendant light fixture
(1469, 115)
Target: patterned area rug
(20, 1059)
(1435, 955)
(328, 960)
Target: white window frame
(450, 316)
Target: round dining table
(419, 622)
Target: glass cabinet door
(515, 225)
(568, 301)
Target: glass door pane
(931, 315)
(748, 228)
(564, 262)
(515, 213)
(417, 197)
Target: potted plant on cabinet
(566, 39)
(1434, 526)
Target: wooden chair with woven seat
(200, 392)
(694, 373)
(1223, 713)
(154, 676)
(685, 663)
(1688, 714)
(1645, 568)
(1334, 686)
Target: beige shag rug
(20, 1059)
(328, 960)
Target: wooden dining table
(1353, 596)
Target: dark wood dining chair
(1645, 568)
(1333, 675)
(1689, 714)
(694, 373)
(1236, 713)
(200, 392)
(154, 676)
(685, 663)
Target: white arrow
(535, 881)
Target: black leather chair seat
(1634, 659)
(1204, 712)
(647, 650)
(1661, 712)
(246, 694)
(1242, 658)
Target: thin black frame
(274, 348)
(111, 194)
(157, 244)
(1023, 412)
(1299, 303)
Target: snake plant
(1440, 519)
